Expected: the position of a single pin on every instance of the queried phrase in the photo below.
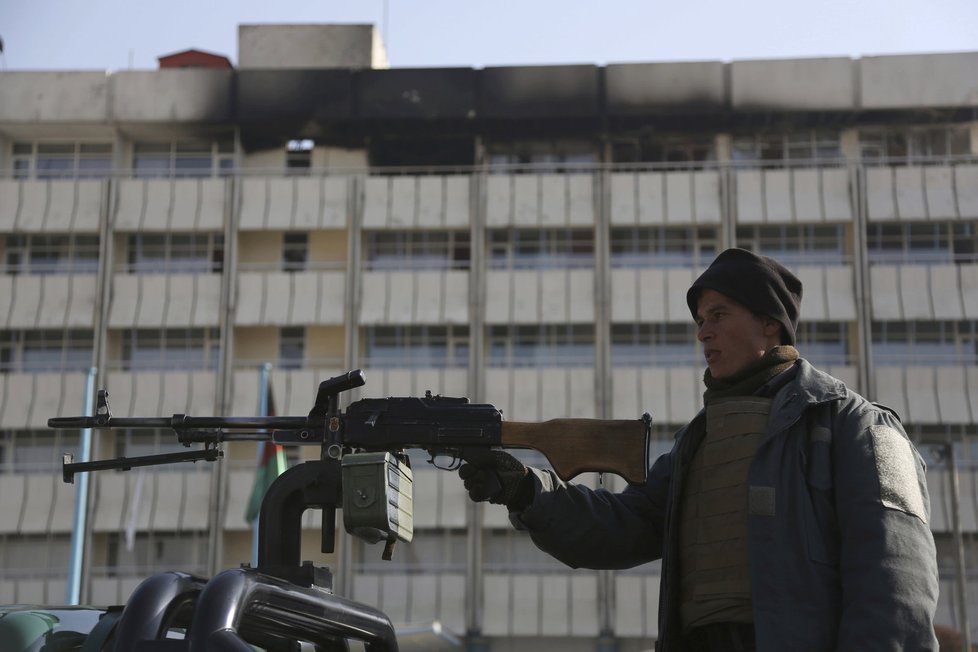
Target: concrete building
(519, 235)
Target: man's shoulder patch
(897, 471)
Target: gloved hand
(501, 479)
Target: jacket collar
(809, 388)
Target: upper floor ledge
(877, 83)
(211, 180)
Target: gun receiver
(455, 427)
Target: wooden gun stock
(575, 446)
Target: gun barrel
(181, 421)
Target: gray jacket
(841, 556)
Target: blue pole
(263, 379)
(80, 527)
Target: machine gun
(366, 443)
(362, 469)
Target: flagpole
(264, 374)
(80, 527)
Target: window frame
(169, 159)
(134, 357)
(141, 245)
(540, 345)
(797, 244)
(417, 250)
(906, 243)
(511, 249)
(914, 144)
(425, 346)
(656, 246)
(938, 342)
(31, 253)
(33, 350)
(29, 159)
(658, 344)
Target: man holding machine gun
(790, 514)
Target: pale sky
(119, 34)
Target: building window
(51, 254)
(33, 557)
(143, 441)
(803, 146)
(654, 345)
(154, 552)
(899, 146)
(940, 445)
(170, 349)
(663, 246)
(797, 244)
(291, 347)
(541, 156)
(62, 160)
(932, 343)
(922, 242)
(685, 151)
(39, 351)
(420, 153)
(824, 343)
(509, 552)
(417, 250)
(295, 251)
(947, 556)
(183, 159)
(175, 253)
(430, 552)
(541, 345)
(298, 156)
(511, 249)
(396, 347)
(35, 451)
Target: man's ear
(771, 326)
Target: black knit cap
(760, 283)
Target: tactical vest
(714, 573)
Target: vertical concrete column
(354, 268)
(6, 160)
(229, 278)
(602, 294)
(477, 285)
(103, 279)
(849, 144)
(225, 370)
(345, 551)
(603, 368)
(475, 512)
(728, 191)
(860, 270)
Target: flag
(271, 464)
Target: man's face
(732, 336)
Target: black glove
(500, 478)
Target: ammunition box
(378, 503)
